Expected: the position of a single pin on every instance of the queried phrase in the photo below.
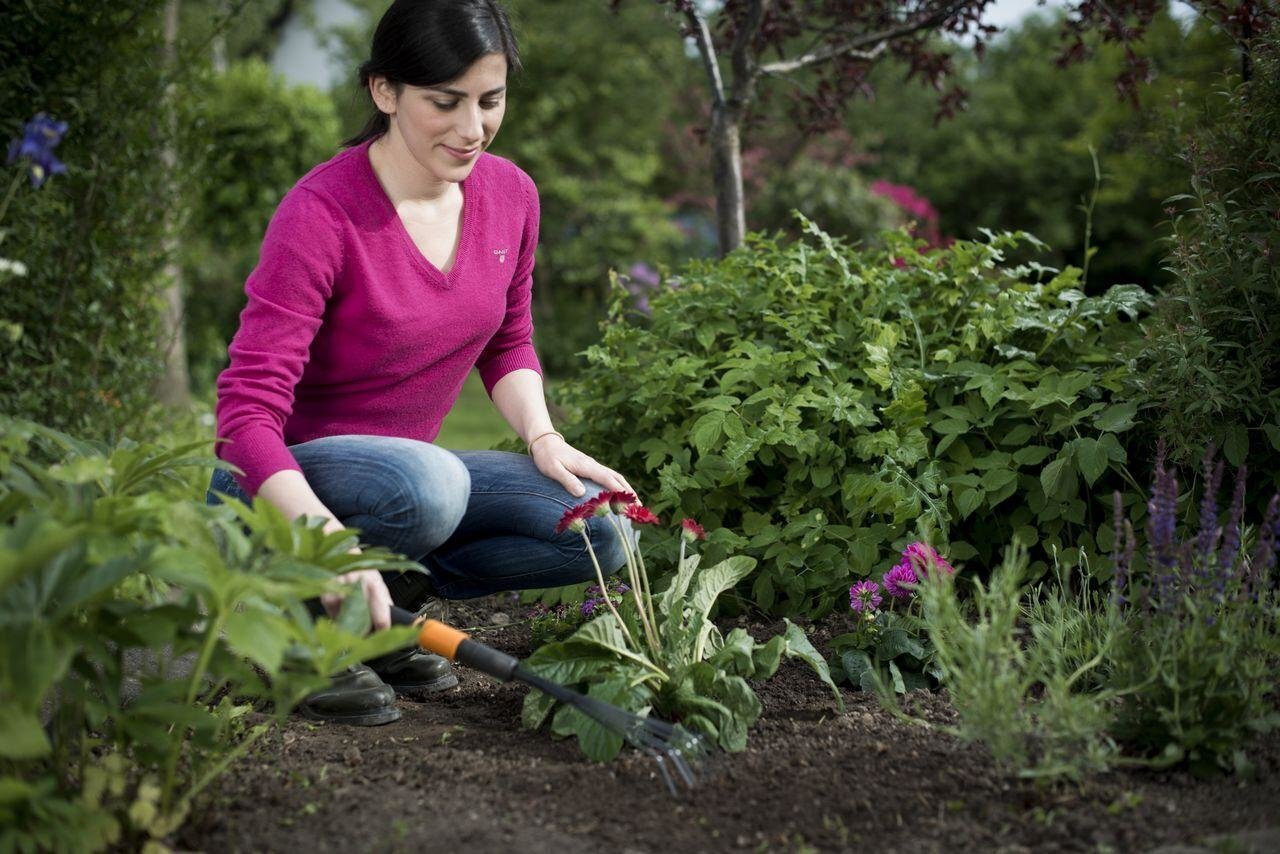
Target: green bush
(836, 196)
(248, 138)
(109, 559)
(92, 240)
(1212, 360)
(830, 404)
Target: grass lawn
(473, 424)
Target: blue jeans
(480, 522)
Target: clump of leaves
(660, 652)
(106, 559)
(833, 404)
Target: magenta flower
(865, 596)
(922, 556)
(896, 579)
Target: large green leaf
(673, 596)
(735, 655)
(798, 646)
(896, 642)
(708, 586)
(21, 736)
(260, 637)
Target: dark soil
(459, 773)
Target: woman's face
(446, 127)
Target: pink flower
(865, 596)
(923, 557)
(640, 514)
(691, 530)
(896, 579)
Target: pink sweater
(349, 329)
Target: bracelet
(529, 444)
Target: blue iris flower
(39, 138)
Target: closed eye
(488, 105)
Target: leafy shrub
(836, 196)
(1013, 665)
(661, 652)
(247, 139)
(1212, 359)
(830, 404)
(107, 558)
(93, 240)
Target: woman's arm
(520, 398)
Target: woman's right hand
(375, 593)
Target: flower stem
(604, 591)
(13, 188)
(639, 588)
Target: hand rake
(680, 753)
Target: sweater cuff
(502, 364)
(258, 451)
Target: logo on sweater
(502, 255)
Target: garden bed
(459, 773)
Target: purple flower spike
(1231, 534)
(865, 597)
(1207, 541)
(895, 579)
(1264, 557)
(39, 138)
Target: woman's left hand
(565, 464)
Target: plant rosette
(889, 645)
(661, 653)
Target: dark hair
(429, 42)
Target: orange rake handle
(443, 639)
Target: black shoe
(414, 673)
(356, 696)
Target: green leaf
(1116, 418)
(967, 501)
(735, 655)
(21, 735)
(798, 646)
(896, 642)
(1031, 455)
(767, 656)
(1091, 457)
(896, 675)
(705, 431)
(260, 637)
(858, 667)
(1056, 477)
(1235, 446)
(708, 586)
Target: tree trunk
(174, 388)
(726, 171)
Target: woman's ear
(384, 94)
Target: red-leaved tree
(827, 49)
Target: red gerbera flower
(640, 514)
(620, 500)
(692, 530)
(575, 518)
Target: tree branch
(705, 47)
(868, 47)
(744, 70)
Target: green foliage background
(1212, 362)
(246, 141)
(89, 304)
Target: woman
(387, 273)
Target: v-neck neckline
(464, 228)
